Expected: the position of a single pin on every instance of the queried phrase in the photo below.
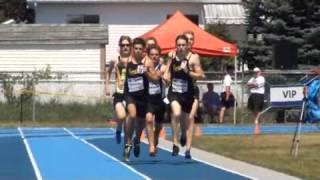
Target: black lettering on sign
(294, 92)
(289, 93)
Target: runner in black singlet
(134, 94)
(155, 104)
(119, 64)
(181, 73)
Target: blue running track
(92, 153)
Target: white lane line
(108, 155)
(32, 159)
(98, 137)
(210, 164)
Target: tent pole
(242, 91)
(236, 92)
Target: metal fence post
(33, 103)
(21, 107)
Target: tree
(28, 82)
(217, 63)
(16, 9)
(292, 21)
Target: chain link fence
(76, 99)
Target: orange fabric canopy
(205, 43)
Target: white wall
(116, 13)
(133, 19)
(123, 19)
(115, 31)
(66, 58)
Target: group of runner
(140, 97)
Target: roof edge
(134, 1)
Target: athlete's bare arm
(167, 74)
(172, 54)
(109, 69)
(162, 70)
(196, 69)
(150, 71)
(120, 82)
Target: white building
(76, 51)
(135, 17)
(81, 51)
(68, 48)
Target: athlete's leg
(157, 130)
(189, 131)
(130, 121)
(139, 126)
(121, 116)
(129, 128)
(221, 115)
(151, 134)
(175, 117)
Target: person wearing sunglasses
(180, 73)
(119, 65)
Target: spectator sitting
(227, 98)
(211, 102)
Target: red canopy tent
(205, 43)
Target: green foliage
(277, 79)
(270, 151)
(217, 63)
(220, 31)
(13, 9)
(56, 112)
(28, 82)
(293, 21)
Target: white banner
(286, 94)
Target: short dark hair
(189, 32)
(182, 36)
(139, 41)
(209, 84)
(230, 68)
(122, 38)
(151, 38)
(154, 46)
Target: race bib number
(135, 84)
(154, 88)
(140, 69)
(179, 85)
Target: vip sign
(286, 94)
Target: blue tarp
(313, 103)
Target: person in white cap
(256, 98)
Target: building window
(192, 17)
(83, 19)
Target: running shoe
(152, 151)
(156, 141)
(126, 153)
(136, 147)
(187, 154)
(118, 136)
(183, 139)
(175, 150)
